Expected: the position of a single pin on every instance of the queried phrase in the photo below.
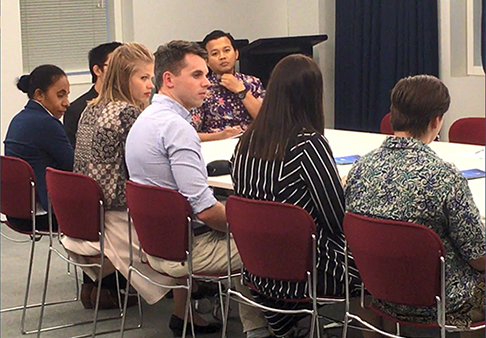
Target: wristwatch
(242, 94)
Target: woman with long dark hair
(284, 157)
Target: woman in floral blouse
(405, 180)
(100, 154)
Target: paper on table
(477, 154)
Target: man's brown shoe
(86, 290)
(109, 299)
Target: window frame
(472, 68)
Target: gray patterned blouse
(100, 148)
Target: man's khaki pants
(209, 256)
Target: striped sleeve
(321, 176)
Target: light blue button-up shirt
(164, 150)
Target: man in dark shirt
(99, 57)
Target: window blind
(61, 32)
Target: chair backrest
(385, 125)
(274, 239)
(468, 130)
(17, 187)
(77, 201)
(398, 261)
(160, 217)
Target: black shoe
(205, 289)
(176, 325)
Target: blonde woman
(100, 148)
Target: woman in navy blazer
(37, 136)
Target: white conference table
(345, 143)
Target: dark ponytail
(42, 77)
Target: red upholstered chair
(162, 219)
(18, 200)
(399, 262)
(78, 202)
(385, 125)
(469, 130)
(264, 231)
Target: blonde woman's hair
(123, 63)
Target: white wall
(155, 22)
(12, 99)
(165, 20)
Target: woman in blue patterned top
(405, 180)
(284, 157)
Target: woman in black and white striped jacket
(284, 157)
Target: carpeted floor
(14, 259)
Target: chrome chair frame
(35, 236)
(190, 276)
(311, 285)
(440, 301)
(69, 260)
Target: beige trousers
(209, 256)
(116, 250)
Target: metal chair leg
(44, 293)
(345, 327)
(318, 327)
(97, 304)
(186, 314)
(125, 304)
(225, 313)
(221, 302)
(313, 326)
(25, 306)
(27, 288)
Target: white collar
(47, 110)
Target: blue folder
(473, 173)
(346, 159)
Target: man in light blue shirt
(163, 149)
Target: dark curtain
(377, 43)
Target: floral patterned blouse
(405, 180)
(222, 108)
(100, 148)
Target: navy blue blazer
(39, 138)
